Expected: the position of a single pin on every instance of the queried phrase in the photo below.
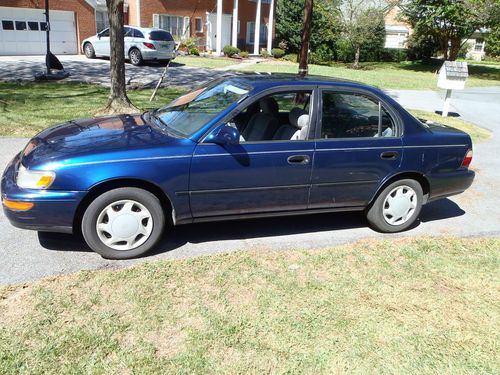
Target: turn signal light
(17, 205)
(467, 159)
(149, 45)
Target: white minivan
(141, 44)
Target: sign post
(452, 76)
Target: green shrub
(344, 51)
(194, 51)
(292, 57)
(230, 51)
(394, 55)
(277, 53)
(244, 54)
(189, 43)
(264, 53)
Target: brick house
(22, 22)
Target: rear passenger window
(352, 115)
(161, 36)
(138, 34)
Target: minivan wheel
(89, 51)
(135, 57)
(123, 223)
(396, 207)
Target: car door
(101, 44)
(358, 145)
(252, 177)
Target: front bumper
(447, 184)
(53, 210)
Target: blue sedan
(243, 146)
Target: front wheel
(89, 51)
(135, 57)
(396, 207)
(123, 223)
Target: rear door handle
(298, 159)
(389, 155)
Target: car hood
(87, 137)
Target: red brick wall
(185, 8)
(84, 13)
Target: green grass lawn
(401, 306)
(206, 62)
(27, 108)
(405, 75)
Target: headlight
(34, 179)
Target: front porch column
(256, 39)
(270, 27)
(218, 40)
(235, 24)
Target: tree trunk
(118, 102)
(455, 43)
(306, 37)
(355, 65)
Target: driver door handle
(298, 159)
(389, 155)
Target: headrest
(269, 105)
(303, 121)
(294, 115)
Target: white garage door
(23, 30)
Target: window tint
(350, 115)
(138, 34)
(20, 25)
(161, 35)
(8, 25)
(33, 26)
(104, 33)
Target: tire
(135, 57)
(396, 207)
(89, 51)
(136, 226)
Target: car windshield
(160, 35)
(189, 113)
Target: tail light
(467, 159)
(149, 45)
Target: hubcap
(399, 205)
(134, 57)
(124, 225)
(88, 50)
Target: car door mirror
(224, 135)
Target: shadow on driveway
(176, 237)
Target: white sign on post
(452, 76)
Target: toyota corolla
(243, 146)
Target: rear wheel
(396, 207)
(123, 223)
(135, 57)
(89, 51)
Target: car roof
(266, 80)
(145, 29)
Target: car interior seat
(263, 125)
(285, 132)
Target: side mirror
(224, 135)
(99, 36)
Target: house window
(251, 33)
(175, 25)
(479, 45)
(101, 20)
(33, 26)
(198, 25)
(262, 2)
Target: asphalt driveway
(83, 70)
(26, 255)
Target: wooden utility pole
(306, 37)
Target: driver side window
(352, 115)
(276, 117)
